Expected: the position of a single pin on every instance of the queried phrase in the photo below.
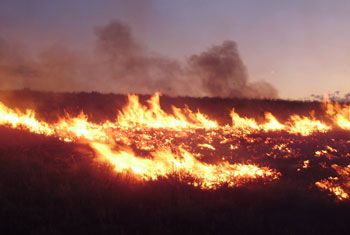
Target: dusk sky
(301, 47)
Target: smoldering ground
(121, 64)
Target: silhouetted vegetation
(99, 107)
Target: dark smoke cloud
(221, 70)
(222, 73)
(121, 64)
(130, 66)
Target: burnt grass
(51, 187)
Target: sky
(301, 47)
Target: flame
(339, 114)
(306, 126)
(296, 125)
(16, 119)
(163, 137)
(339, 186)
(134, 114)
(164, 162)
(336, 190)
(132, 118)
(247, 125)
(306, 164)
(273, 124)
(77, 127)
(153, 116)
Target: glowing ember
(339, 186)
(336, 190)
(306, 164)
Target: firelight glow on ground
(149, 143)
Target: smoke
(121, 64)
(130, 66)
(223, 74)
(12, 65)
(55, 69)
(220, 70)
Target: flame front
(340, 114)
(296, 124)
(164, 162)
(150, 143)
(340, 187)
(16, 119)
(136, 114)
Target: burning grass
(146, 170)
(50, 186)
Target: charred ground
(50, 186)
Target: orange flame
(135, 119)
(306, 126)
(296, 124)
(339, 114)
(247, 125)
(165, 162)
(340, 188)
(153, 116)
(16, 119)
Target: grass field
(48, 186)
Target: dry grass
(51, 187)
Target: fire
(135, 118)
(296, 125)
(150, 143)
(78, 127)
(247, 125)
(273, 124)
(340, 114)
(306, 126)
(16, 119)
(336, 190)
(208, 146)
(153, 116)
(339, 186)
(164, 163)
(306, 164)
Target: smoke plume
(121, 64)
(220, 70)
(130, 66)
